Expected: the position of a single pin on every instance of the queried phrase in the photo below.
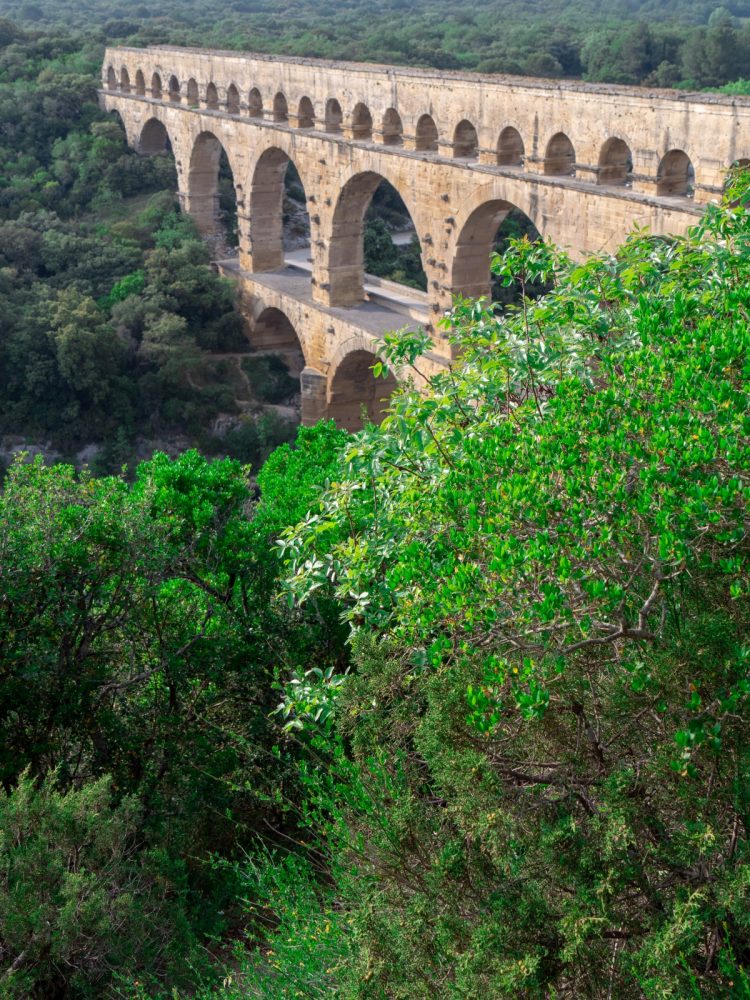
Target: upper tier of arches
(554, 155)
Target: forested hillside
(656, 42)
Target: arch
(475, 242)
(153, 138)
(510, 148)
(111, 78)
(280, 108)
(233, 100)
(675, 176)
(267, 210)
(212, 97)
(193, 98)
(174, 89)
(465, 141)
(272, 330)
(426, 136)
(361, 123)
(393, 129)
(354, 390)
(615, 163)
(255, 103)
(203, 183)
(156, 87)
(560, 157)
(305, 113)
(125, 80)
(334, 115)
(140, 83)
(346, 255)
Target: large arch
(560, 157)
(361, 123)
(154, 138)
(203, 187)
(426, 135)
(465, 141)
(476, 240)
(615, 163)
(272, 330)
(354, 391)
(675, 177)
(346, 256)
(270, 240)
(510, 149)
(393, 129)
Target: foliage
(140, 638)
(79, 900)
(544, 562)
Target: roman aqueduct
(584, 162)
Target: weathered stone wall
(584, 162)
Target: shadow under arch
(212, 192)
(615, 163)
(346, 252)
(356, 396)
(486, 229)
(279, 223)
(675, 177)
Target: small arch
(124, 80)
(510, 149)
(140, 83)
(355, 391)
(334, 115)
(280, 108)
(153, 138)
(111, 79)
(465, 141)
(255, 103)
(212, 97)
(361, 123)
(427, 134)
(393, 128)
(233, 100)
(193, 98)
(675, 177)
(174, 89)
(615, 163)
(560, 157)
(305, 113)
(156, 87)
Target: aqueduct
(584, 162)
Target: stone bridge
(584, 162)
